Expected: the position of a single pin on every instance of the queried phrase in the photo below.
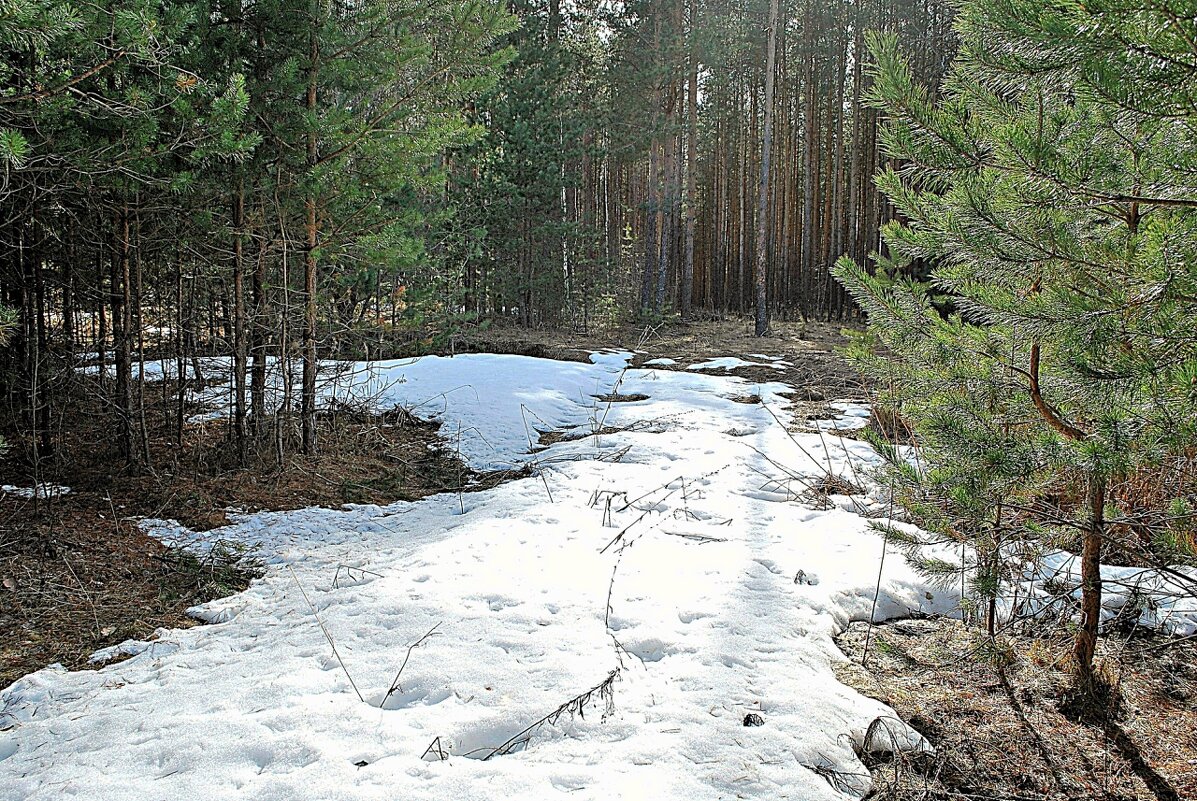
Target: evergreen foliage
(1052, 188)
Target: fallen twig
(605, 690)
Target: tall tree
(762, 203)
(1051, 190)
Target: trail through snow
(674, 553)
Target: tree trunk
(687, 291)
(308, 393)
(239, 346)
(258, 343)
(121, 336)
(1086, 636)
(762, 229)
(651, 227)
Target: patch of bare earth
(993, 711)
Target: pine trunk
(762, 241)
(308, 392)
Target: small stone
(753, 719)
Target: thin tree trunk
(143, 433)
(691, 167)
(259, 334)
(101, 319)
(651, 227)
(239, 344)
(308, 398)
(121, 334)
(762, 231)
(1091, 589)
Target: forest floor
(809, 352)
(80, 573)
(999, 717)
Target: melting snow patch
(40, 491)
(732, 363)
(850, 416)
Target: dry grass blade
(576, 706)
(395, 682)
(327, 636)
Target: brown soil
(992, 709)
(75, 578)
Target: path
(706, 622)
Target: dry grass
(993, 711)
(619, 397)
(77, 574)
(75, 578)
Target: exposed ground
(672, 577)
(77, 574)
(993, 711)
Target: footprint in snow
(769, 565)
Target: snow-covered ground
(675, 558)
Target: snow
(39, 491)
(129, 648)
(850, 416)
(734, 363)
(676, 553)
(1163, 600)
(491, 405)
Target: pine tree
(518, 189)
(1052, 190)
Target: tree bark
(239, 344)
(687, 292)
(308, 392)
(762, 230)
(1091, 588)
(259, 332)
(122, 324)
